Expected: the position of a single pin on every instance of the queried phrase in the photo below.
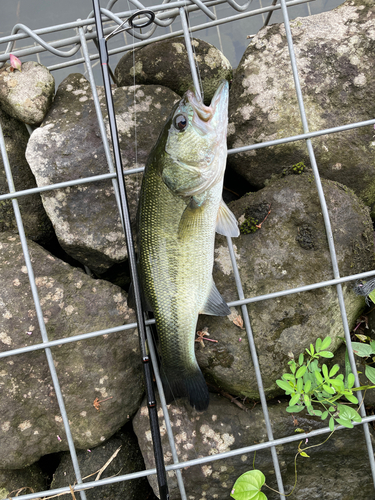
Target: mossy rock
(289, 250)
(335, 52)
(166, 63)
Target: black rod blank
(150, 393)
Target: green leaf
(325, 371)
(351, 380)
(285, 386)
(294, 399)
(372, 345)
(300, 385)
(370, 373)
(324, 415)
(248, 485)
(351, 398)
(329, 389)
(317, 413)
(348, 369)
(288, 376)
(307, 386)
(310, 409)
(326, 354)
(372, 296)
(326, 343)
(348, 413)
(314, 366)
(318, 377)
(331, 424)
(306, 399)
(334, 370)
(362, 350)
(294, 409)
(338, 384)
(362, 338)
(301, 371)
(303, 454)
(318, 344)
(344, 422)
(300, 359)
(292, 365)
(312, 350)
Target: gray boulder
(68, 146)
(21, 481)
(36, 223)
(335, 52)
(27, 94)
(166, 63)
(290, 250)
(102, 368)
(124, 457)
(224, 427)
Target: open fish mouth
(207, 117)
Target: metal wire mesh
(168, 13)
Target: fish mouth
(209, 117)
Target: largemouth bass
(179, 211)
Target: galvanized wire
(165, 15)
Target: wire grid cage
(166, 14)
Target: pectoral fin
(215, 304)
(191, 219)
(226, 222)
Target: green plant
(298, 168)
(249, 226)
(248, 485)
(309, 385)
(366, 351)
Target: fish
(180, 209)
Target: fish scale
(177, 232)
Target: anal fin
(215, 304)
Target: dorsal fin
(226, 222)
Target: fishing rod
(150, 393)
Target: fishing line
(136, 190)
(187, 15)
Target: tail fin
(191, 385)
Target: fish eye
(180, 122)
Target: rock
(335, 52)
(166, 63)
(127, 460)
(290, 250)
(68, 146)
(106, 367)
(23, 481)
(36, 223)
(224, 427)
(27, 94)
